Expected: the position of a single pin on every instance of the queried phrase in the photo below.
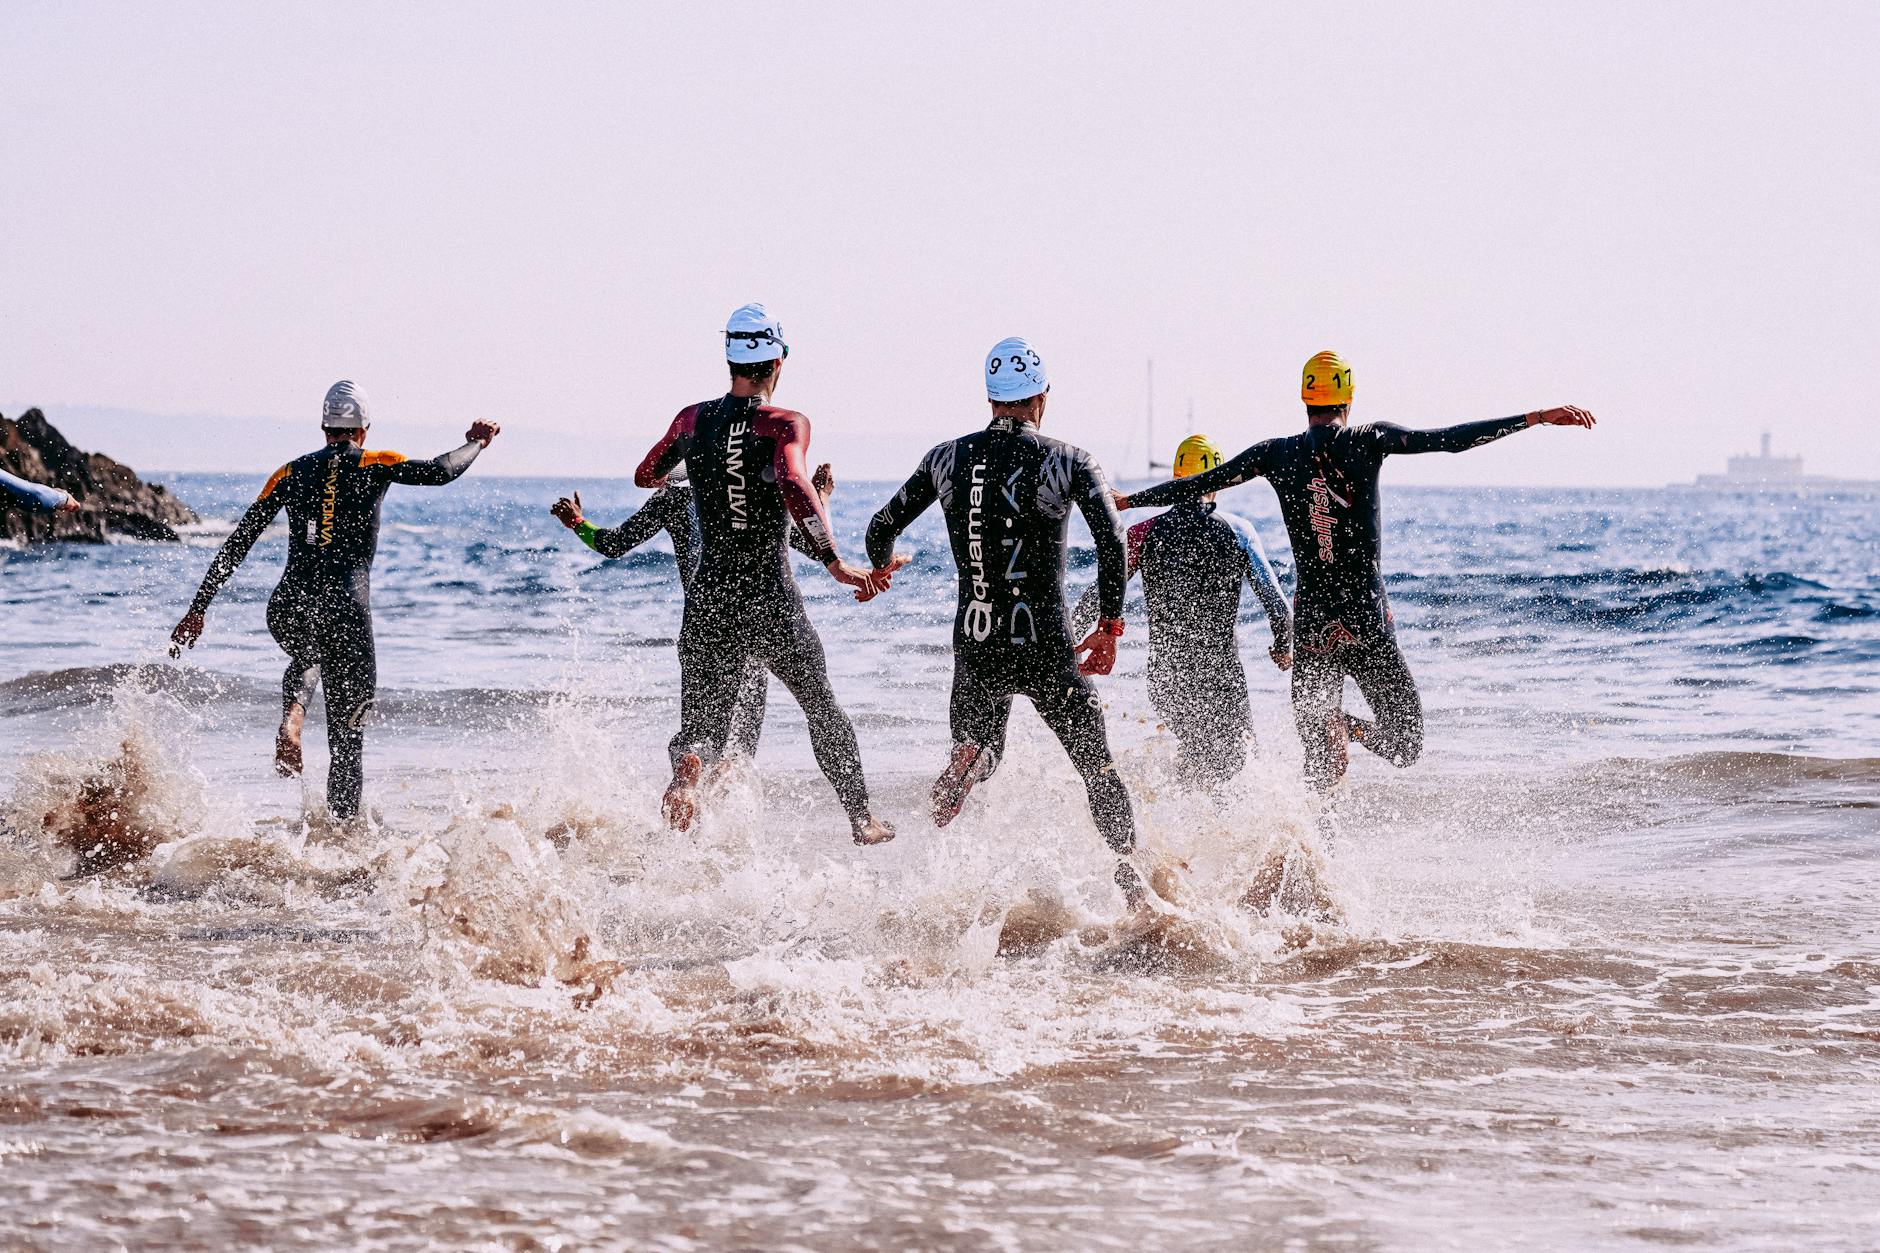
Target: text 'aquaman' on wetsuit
(1007, 493)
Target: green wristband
(587, 531)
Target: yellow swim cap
(1197, 453)
(1326, 380)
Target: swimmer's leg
(711, 668)
(801, 666)
(1072, 709)
(351, 671)
(978, 713)
(1396, 734)
(747, 713)
(1318, 686)
(301, 681)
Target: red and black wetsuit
(1326, 479)
(321, 612)
(1007, 493)
(745, 461)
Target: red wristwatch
(1110, 626)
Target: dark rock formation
(110, 495)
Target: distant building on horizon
(1766, 472)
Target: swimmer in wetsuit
(745, 459)
(1007, 493)
(321, 612)
(38, 495)
(1326, 479)
(672, 510)
(1194, 559)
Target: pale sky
(1667, 213)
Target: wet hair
(1326, 411)
(334, 433)
(757, 371)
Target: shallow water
(1600, 971)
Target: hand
(1566, 415)
(482, 433)
(70, 504)
(866, 584)
(1101, 646)
(1122, 501)
(824, 481)
(567, 511)
(885, 574)
(1282, 657)
(187, 632)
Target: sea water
(1601, 970)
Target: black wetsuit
(1194, 560)
(321, 611)
(1326, 480)
(1007, 493)
(672, 510)
(742, 607)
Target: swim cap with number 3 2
(1326, 380)
(1014, 372)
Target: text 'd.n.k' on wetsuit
(1007, 493)
(321, 611)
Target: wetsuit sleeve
(1250, 464)
(39, 494)
(436, 472)
(235, 548)
(1106, 530)
(668, 452)
(1085, 615)
(656, 515)
(799, 496)
(800, 542)
(899, 513)
(1265, 583)
(1391, 438)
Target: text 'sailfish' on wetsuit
(1007, 493)
(321, 611)
(1194, 559)
(1326, 480)
(671, 510)
(745, 461)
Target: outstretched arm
(805, 507)
(1085, 615)
(1396, 439)
(668, 452)
(228, 559)
(1097, 505)
(899, 513)
(438, 471)
(1265, 586)
(665, 510)
(1250, 464)
(40, 495)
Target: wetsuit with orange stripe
(321, 612)
(749, 484)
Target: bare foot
(1337, 746)
(680, 804)
(287, 757)
(872, 830)
(951, 788)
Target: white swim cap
(345, 406)
(1015, 371)
(753, 335)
